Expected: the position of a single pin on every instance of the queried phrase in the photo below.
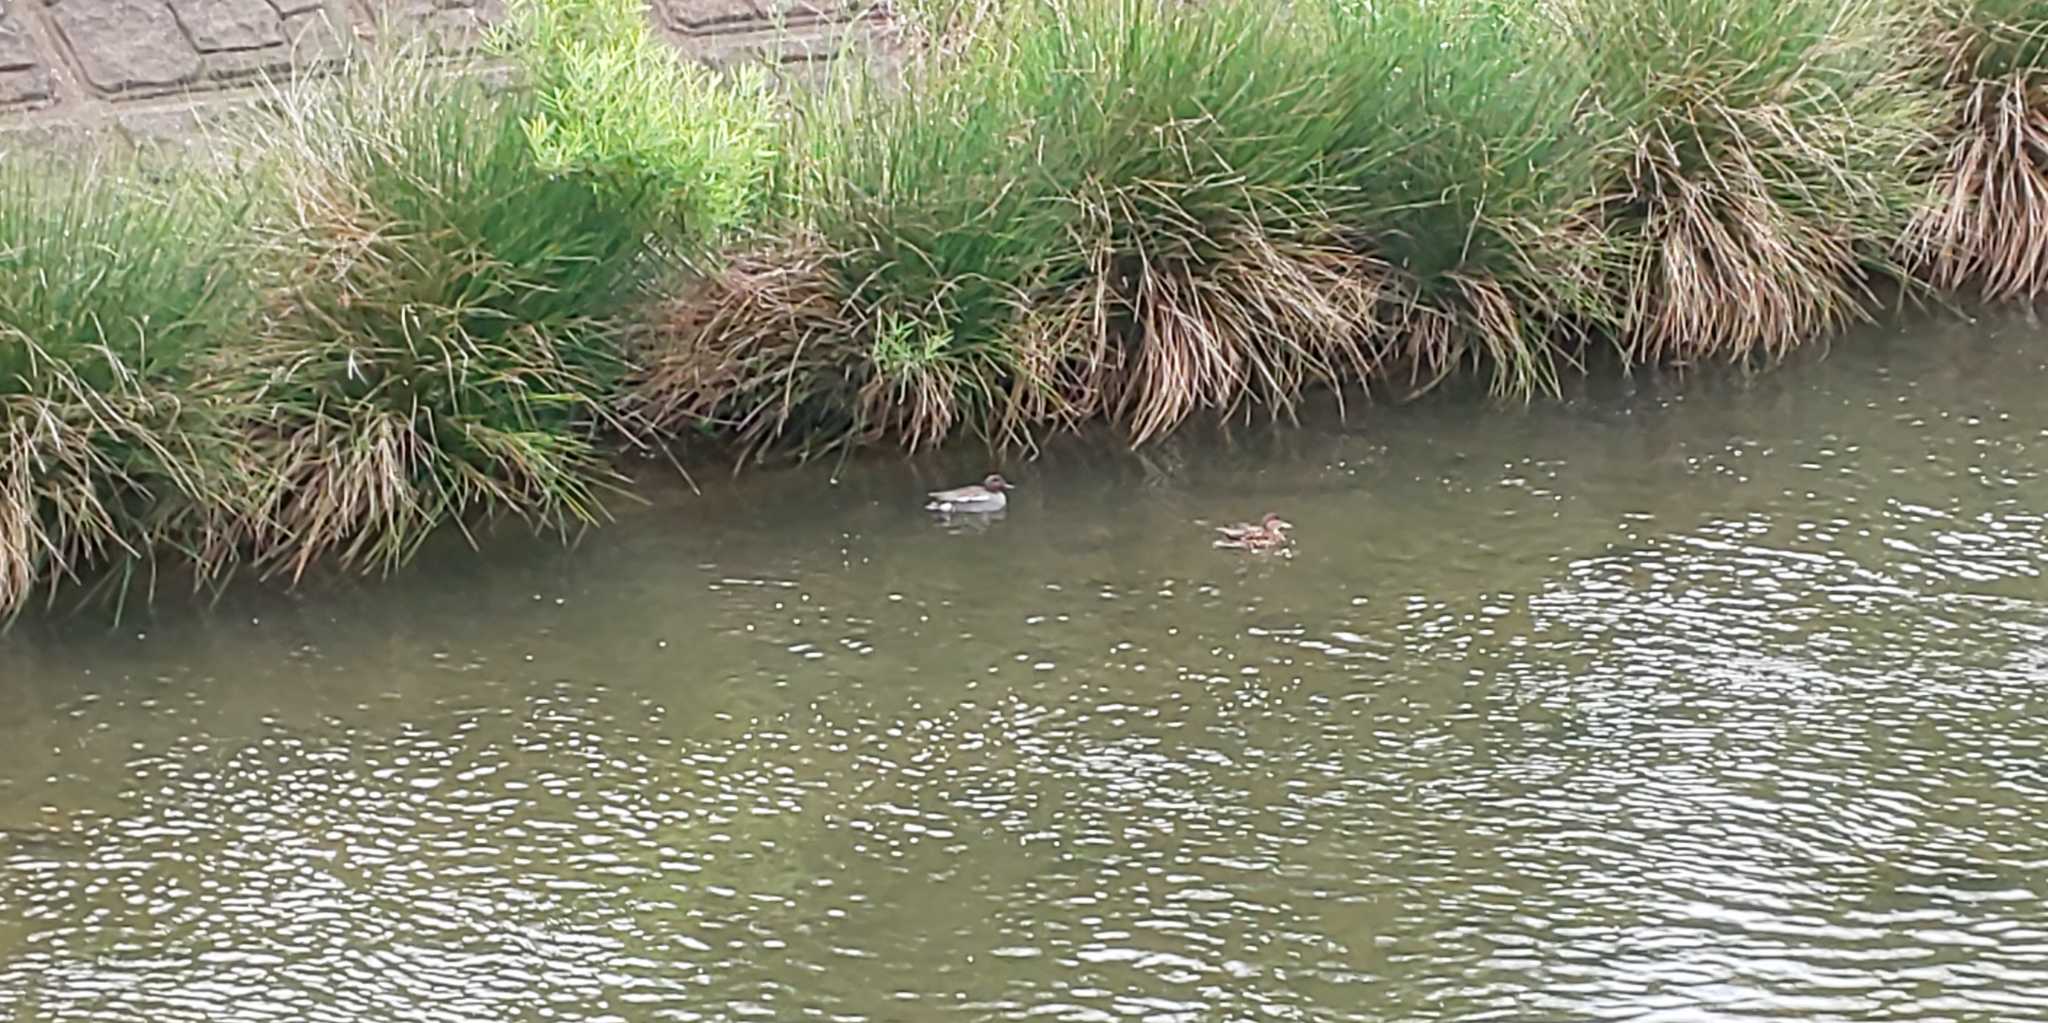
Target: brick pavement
(147, 69)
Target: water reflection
(1713, 704)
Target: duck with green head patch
(987, 496)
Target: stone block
(771, 49)
(217, 25)
(800, 11)
(127, 45)
(16, 53)
(701, 17)
(317, 36)
(32, 137)
(24, 78)
(25, 87)
(307, 41)
(451, 24)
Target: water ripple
(1721, 716)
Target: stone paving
(157, 67)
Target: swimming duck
(986, 496)
(1268, 533)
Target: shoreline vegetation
(403, 302)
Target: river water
(1705, 701)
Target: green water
(1705, 702)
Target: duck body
(987, 496)
(1266, 534)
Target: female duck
(1266, 534)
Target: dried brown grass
(1730, 271)
(762, 350)
(1258, 326)
(1987, 224)
(1766, 155)
(99, 483)
(774, 350)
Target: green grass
(612, 103)
(109, 295)
(1984, 40)
(1766, 156)
(1139, 210)
(1472, 168)
(442, 328)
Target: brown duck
(1266, 534)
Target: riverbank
(413, 305)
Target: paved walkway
(153, 68)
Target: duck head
(996, 484)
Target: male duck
(986, 496)
(1268, 533)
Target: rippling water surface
(1711, 703)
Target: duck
(987, 496)
(1266, 534)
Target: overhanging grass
(110, 292)
(441, 328)
(1471, 167)
(1766, 155)
(1986, 225)
(1139, 209)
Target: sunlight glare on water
(1705, 703)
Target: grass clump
(1986, 225)
(110, 293)
(1140, 209)
(441, 304)
(1470, 172)
(982, 243)
(1764, 157)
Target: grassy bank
(1138, 211)
(416, 305)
